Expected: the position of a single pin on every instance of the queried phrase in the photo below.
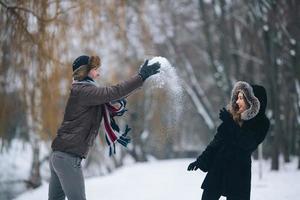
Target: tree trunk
(35, 179)
(299, 154)
(274, 92)
(224, 38)
(209, 48)
(260, 160)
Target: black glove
(193, 166)
(148, 70)
(225, 116)
(229, 125)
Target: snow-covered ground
(169, 179)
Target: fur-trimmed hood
(261, 94)
(253, 101)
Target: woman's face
(94, 73)
(241, 102)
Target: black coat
(227, 158)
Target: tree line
(212, 44)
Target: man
(83, 114)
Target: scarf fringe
(112, 129)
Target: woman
(227, 158)
(84, 111)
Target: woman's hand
(193, 166)
(228, 126)
(225, 116)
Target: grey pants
(66, 177)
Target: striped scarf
(112, 130)
(109, 111)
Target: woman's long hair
(235, 108)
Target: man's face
(94, 73)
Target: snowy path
(170, 180)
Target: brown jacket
(83, 114)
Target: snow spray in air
(168, 80)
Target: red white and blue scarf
(112, 131)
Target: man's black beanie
(81, 60)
